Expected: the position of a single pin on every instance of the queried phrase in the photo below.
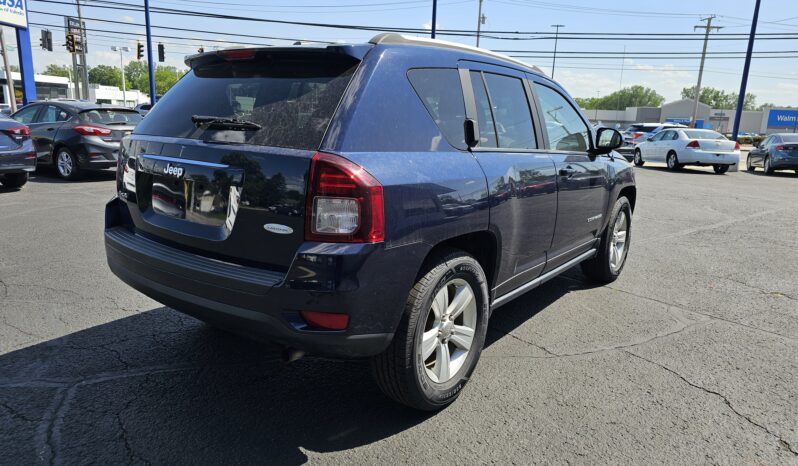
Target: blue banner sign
(782, 118)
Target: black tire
(400, 371)
(71, 170)
(638, 159)
(599, 268)
(748, 165)
(720, 169)
(672, 160)
(768, 169)
(14, 180)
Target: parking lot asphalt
(690, 357)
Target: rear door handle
(50, 129)
(567, 171)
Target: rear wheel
(608, 263)
(673, 161)
(639, 158)
(440, 336)
(14, 180)
(768, 167)
(720, 169)
(66, 164)
(748, 164)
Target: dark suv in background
(74, 135)
(375, 200)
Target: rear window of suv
(292, 96)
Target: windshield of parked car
(109, 116)
(695, 134)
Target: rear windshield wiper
(216, 122)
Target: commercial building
(57, 87)
(768, 121)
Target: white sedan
(680, 147)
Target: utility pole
(84, 66)
(556, 37)
(480, 21)
(150, 66)
(707, 30)
(738, 114)
(9, 79)
(434, 17)
(620, 83)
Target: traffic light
(161, 52)
(70, 43)
(139, 50)
(47, 40)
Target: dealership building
(56, 87)
(773, 120)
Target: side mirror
(649, 139)
(607, 140)
(471, 132)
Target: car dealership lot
(690, 357)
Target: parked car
(680, 147)
(376, 200)
(74, 135)
(17, 157)
(639, 132)
(143, 109)
(778, 152)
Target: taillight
(637, 135)
(779, 147)
(736, 146)
(18, 131)
(91, 130)
(344, 202)
(693, 144)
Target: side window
(659, 136)
(53, 114)
(487, 131)
(511, 113)
(674, 135)
(26, 114)
(564, 126)
(768, 141)
(440, 91)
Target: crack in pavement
(761, 290)
(782, 443)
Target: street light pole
(738, 114)
(122, 68)
(707, 29)
(556, 37)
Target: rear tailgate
(226, 192)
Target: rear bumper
(360, 280)
(17, 162)
(779, 162)
(700, 157)
(97, 154)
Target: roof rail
(393, 38)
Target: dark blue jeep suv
(375, 200)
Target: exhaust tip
(292, 354)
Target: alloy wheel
(449, 330)
(620, 231)
(64, 164)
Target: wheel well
(630, 192)
(483, 245)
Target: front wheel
(639, 158)
(440, 336)
(608, 263)
(720, 169)
(14, 180)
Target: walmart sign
(783, 118)
(14, 13)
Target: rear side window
(292, 96)
(487, 131)
(440, 90)
(511, 112)
(107, 116)
(564, 126)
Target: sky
(578, 67)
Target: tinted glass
(658, 137)
(510, 112)
(441, 93)
(564, 126)
(703, 135)
(487, 131)
(107, 116)
(26, 114)
(53, 114)
(291, 96)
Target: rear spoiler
(357, 51)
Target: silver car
(679, 147)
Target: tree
(105, 75)
(634, 96)
(165, 78)
(136, 74)
(57, 70)
(718, 98)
